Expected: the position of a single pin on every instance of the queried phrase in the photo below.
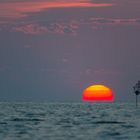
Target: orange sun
(97, 93)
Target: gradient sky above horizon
(51, 50)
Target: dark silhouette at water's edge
(137, 91)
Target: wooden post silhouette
(136, 100)
(137, 91)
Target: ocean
(69, 121)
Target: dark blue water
(69, 121)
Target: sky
(51, 50)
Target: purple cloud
(69, 27)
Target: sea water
(69, 121)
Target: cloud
(106, 72)
(69, 27)
(18, 16)
(17, 9)
(32, 29)
(110, 21)
(4, 68)
(27, 46)
(53, 28)
(90, 71)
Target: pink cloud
(18, 9)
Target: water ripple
(72, 121)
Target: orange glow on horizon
(97, 93)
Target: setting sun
(97, 93)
